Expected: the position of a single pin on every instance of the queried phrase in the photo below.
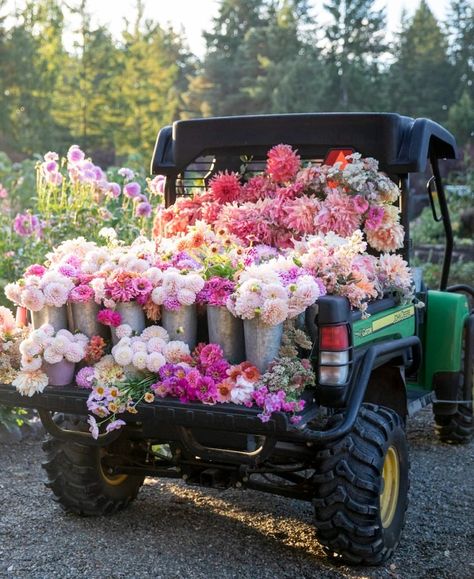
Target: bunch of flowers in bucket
(11, 337)
(48, 357)
(289, 201)
(274, 291)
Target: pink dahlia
(81, 294)
(337, 215)
(35, 269)
(225, 187)
(283, 163)
(109, 318)
(374, 217)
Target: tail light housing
(334, 354)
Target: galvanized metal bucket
(227, 331)
(82, 317)
(132, 314)
(181, 324)
(262, 342)
(57, 317)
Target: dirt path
(176, 531)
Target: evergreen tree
(421, 77)
(281, 69)
(218, 86)
(31, 71)
(353, 44)
(86, 103)
(460, 26)
(155, 69)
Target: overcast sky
(194, 16)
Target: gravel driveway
(176, 531)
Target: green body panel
(398, 322)
(442, 335)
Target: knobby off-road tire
(361, 488)
(457, 428)
(78, 480)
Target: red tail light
(334, 338)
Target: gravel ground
(175, 531)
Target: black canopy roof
(400, 144)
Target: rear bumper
(154, 418)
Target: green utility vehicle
(348, 455)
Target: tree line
(111, 95)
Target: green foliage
(66, 211)
(422, 78)
(111, 94)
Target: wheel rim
(111, 479)
(391, 485)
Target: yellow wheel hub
(111, 479)
(391, 486)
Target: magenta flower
(132, 189)
(360, 204)
(26, 224)
(82, 294)
(143, 209)
(35, 269)
(51, 166)
(216, 291)
(75, 155)
(109, 318)
(142, 285)
(374, 217)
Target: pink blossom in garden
(283, 163)
(51, 156)
(67, 270)
(360, 204)
(374, 217)
(132, 189)
(143, 209)
(337, 215)
(85, 377)
(109, 318)
(35, 269)
(26, 224)
(126, 173)
(75, 155)
(3, 192)
(225, 187)
(51, 166)
(81, 294)
(114, 190)
(157, 185)
(142, 286)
